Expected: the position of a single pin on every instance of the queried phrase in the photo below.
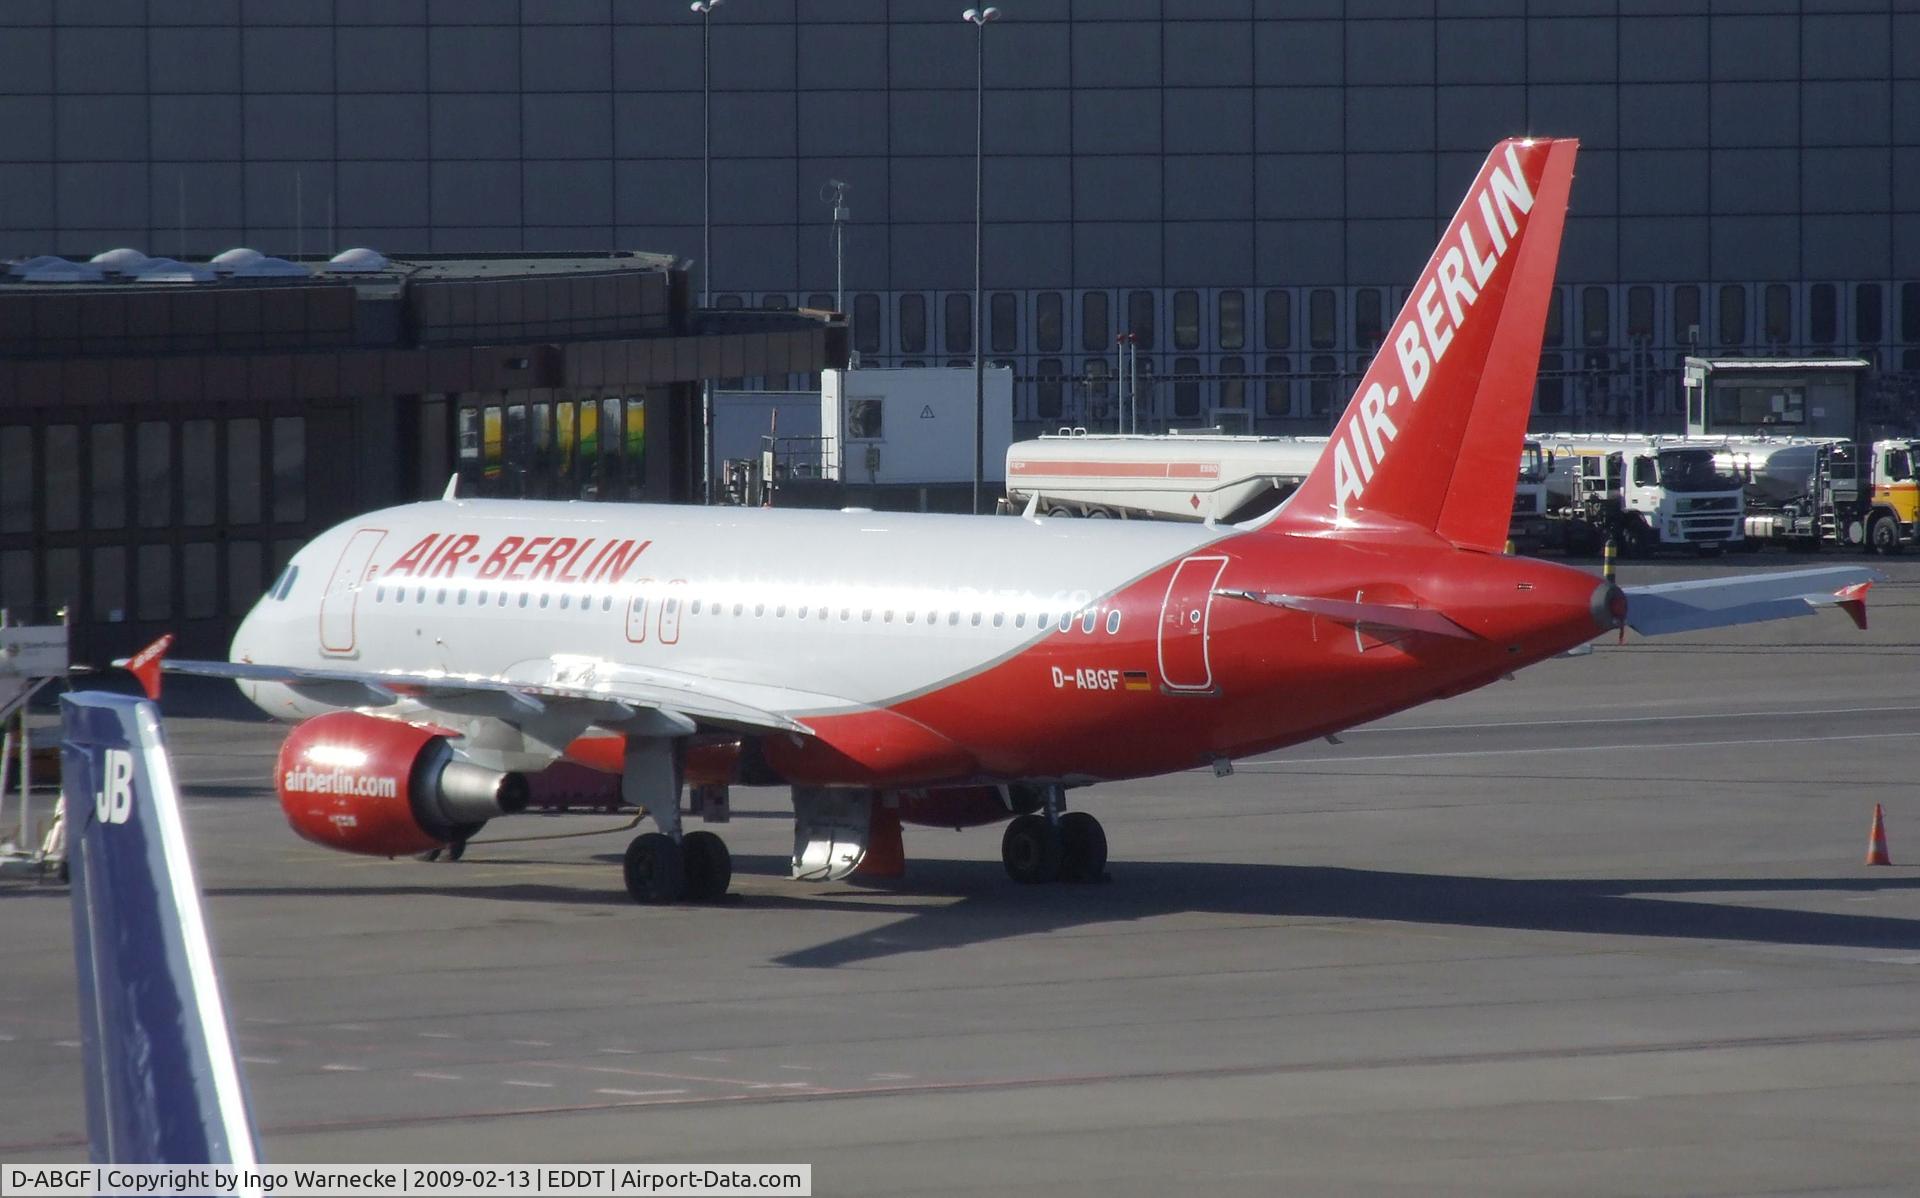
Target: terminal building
(1244, 185)
(171, 432)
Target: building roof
(1794, 365)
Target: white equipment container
(912, 426)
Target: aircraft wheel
(1031, 850)
(1083, 848)
(709, 866)
(654, 869)
(1884, 535)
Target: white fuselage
(823, 610)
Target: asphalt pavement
(1604, 928)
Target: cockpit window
(283, 585)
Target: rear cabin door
(337, 631)
(1183, 624)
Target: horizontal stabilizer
(1666, 607)
(1359, 613)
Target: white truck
(1646, 493)
(1180, 476)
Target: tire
(1083, 848)
(653, 869)
(708, 866)
(1030, 850)
(1883, 535)
(1635, 538)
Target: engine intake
(362, 784)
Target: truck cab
(1892, 509)
(1528, 529)
(1662, 497)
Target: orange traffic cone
(1877, 840)
(886, 855)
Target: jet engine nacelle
(362, 784)
(967, 806)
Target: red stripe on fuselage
(1281, 677)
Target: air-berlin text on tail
(1437, 309)
(519, 559)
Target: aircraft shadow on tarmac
(1590, 906)
(987, 907)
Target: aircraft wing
(1664, 607)
(163, 1086)
(618, 697)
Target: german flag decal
(1137, 680)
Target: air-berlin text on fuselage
(519, 559)
(1439, 309)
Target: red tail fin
(145, 665)
(1432, 438)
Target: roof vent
(122, 261)
(38, 260)
(269, 268)
(239, 256)
(358, 261)
(59, 270)
(169, 270)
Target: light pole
(978, 18)
(705, 9)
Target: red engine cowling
(967, 806)
(362, 784)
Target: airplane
(163, 1085)
(952, 670)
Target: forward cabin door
(337, 633)
(1183, 624)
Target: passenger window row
(1088, 619)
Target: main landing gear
(696, 869)
(1054, 845)
(669, 866)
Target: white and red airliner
(952, 670)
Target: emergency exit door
(1183, 624)
(337, 603)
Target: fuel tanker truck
(1810, 492)
(1178, 476)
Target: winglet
(162, 1082)
(1853, 601)
(145, 665)
(453, 488)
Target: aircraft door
(337, 603)
(1183, 624)
(637, 611)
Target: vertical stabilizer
(1432, 438)
(162, 1083)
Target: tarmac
(1604, 928)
